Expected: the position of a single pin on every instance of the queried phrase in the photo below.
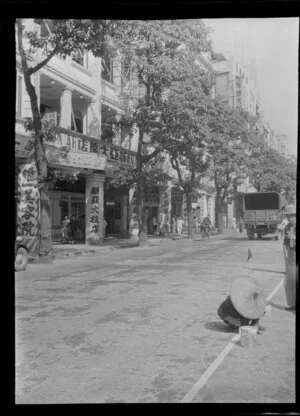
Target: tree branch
(44, 62)
(175, 166)
(146, 158)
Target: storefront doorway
(67, 199)
(152, 213)
(115, 210)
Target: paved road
(141, 325)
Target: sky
(273, 43)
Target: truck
(262, 213)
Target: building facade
(76, 94)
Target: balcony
(110, 94)
(83, 151)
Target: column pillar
(66, 108)
(94, 209)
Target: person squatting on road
(289, 252)
(245, 304)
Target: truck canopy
(262, 200)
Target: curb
(65, 253)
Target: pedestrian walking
(179, 225)
(245, 304)
(234, 223)
(65, 230)
(289, 250)
(205, 227)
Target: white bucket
(248, 336)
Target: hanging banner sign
(76, 159)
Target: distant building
(236, 84)
(282, 144)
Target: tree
(269, 171)
(158, 53)
(64, 37)
(229, 149)
(185, 133)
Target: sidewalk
(111, 243)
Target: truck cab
(263, 212)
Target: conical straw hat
(248, 297)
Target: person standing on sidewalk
(154, 224)
(179, 225)
(280, 228)
(234, 223)
(289, 248)
(65, 230)
(73, 228)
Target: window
(78, 57)
(107, 69)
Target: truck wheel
(21, 259)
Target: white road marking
(215, 364)
(275, 290)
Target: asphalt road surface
(140, 325)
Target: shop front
(151, 202)
(176, 203)
(116, 211)
(68, 199)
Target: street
(140, 325)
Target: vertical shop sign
(29, 206)
(94, 213)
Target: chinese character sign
(29, 206)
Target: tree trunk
(218, 218)
(143, 232)
(189, 208)
(142, 213)
(45, 246)
(45, 250)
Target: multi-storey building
(77, 94)
(236, 83)
(236, 86)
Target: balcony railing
(76, 142)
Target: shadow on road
(245, 238)
(219, 326)
(276, 306)
(269, 271)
